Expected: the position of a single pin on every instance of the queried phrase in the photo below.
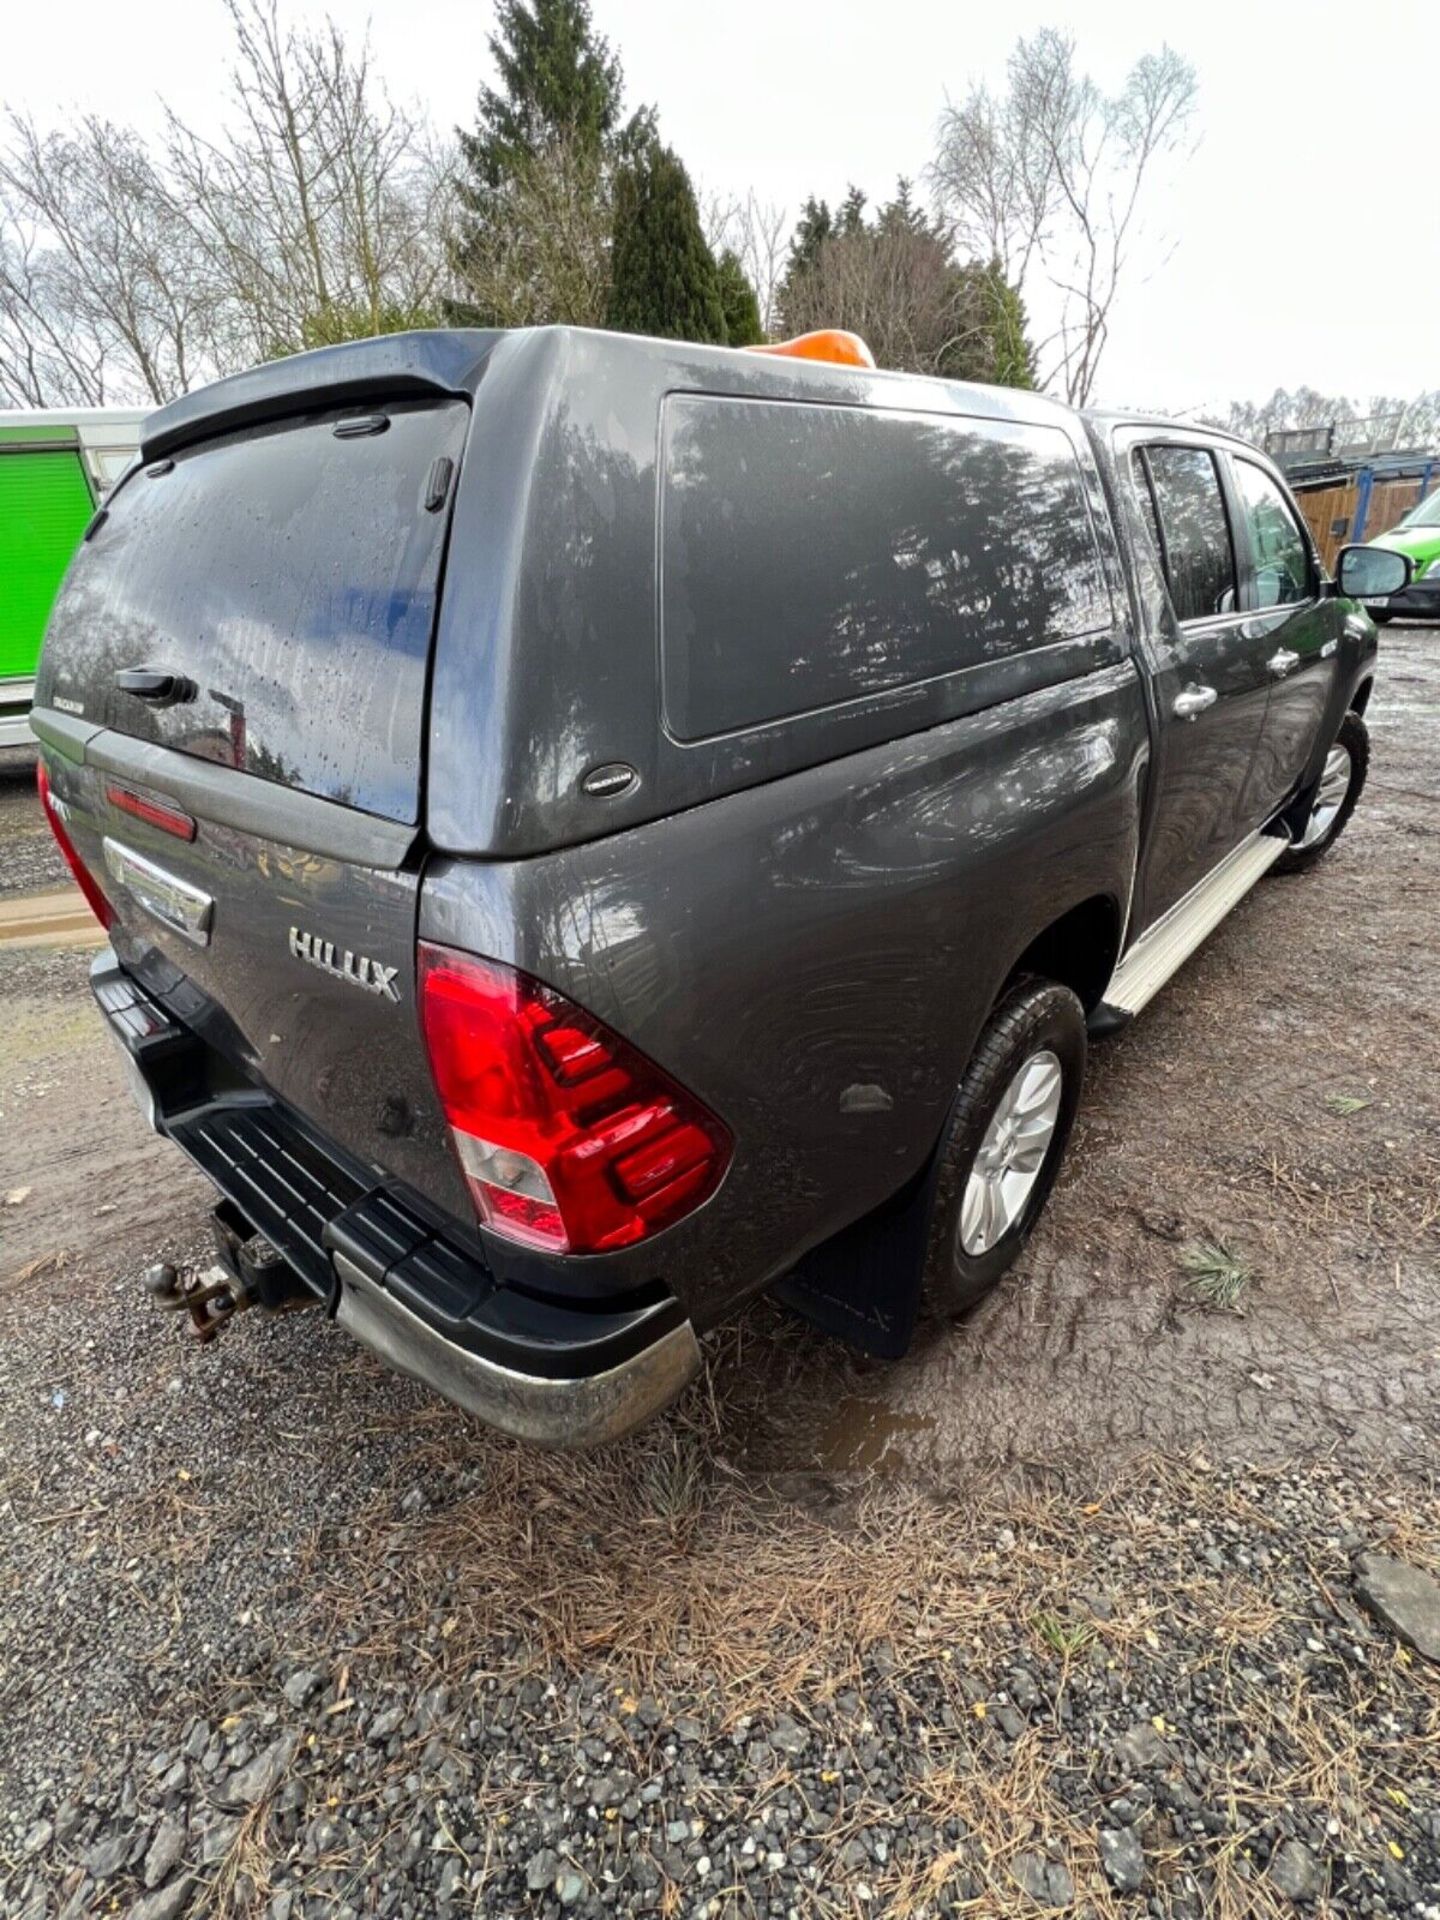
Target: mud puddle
(871, 1433)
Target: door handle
(1193, 701)
(160, 689)
(1280, 663)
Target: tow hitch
(212, 1302)
(248, 1272)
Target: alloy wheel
(1329, 795)
(1012, 1153)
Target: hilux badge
(354, 967)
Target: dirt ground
(1281, 1099)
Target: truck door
(1210, 680)
(1297, 631)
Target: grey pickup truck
(590, 828)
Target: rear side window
(1197, 552)
(816, 554)
(1279, 551)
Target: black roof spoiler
(396, 365)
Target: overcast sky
(1298, 244)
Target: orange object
(826, 343)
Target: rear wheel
(1342, 781)
(1004, 1140)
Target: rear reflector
(54, 809)
(568, 1138)
(155, 813)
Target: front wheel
(1382, 616)
(1342, 781)
(1004, 1140)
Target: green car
(1418, 538)
(55, 467)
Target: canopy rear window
(289, 573)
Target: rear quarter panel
(814, 956)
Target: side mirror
(1371, 573)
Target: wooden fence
(1330, 511)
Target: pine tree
(851, 216)
(558, 80)
(1012, 357)
(738, 302)
(814, 227)
(664, 279)
(902, 212)
(536, 176)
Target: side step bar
(1167, 945)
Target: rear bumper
(583, 1411)
(555, 1372)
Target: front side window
(1427, 514)
(1198, 554)
(1280, 553)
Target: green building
(55, 467)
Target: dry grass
(659, 1550)
(1392, 1199)
(667, 1571)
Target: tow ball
(248, 1272)
(212, 1298)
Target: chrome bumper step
(1165, 948)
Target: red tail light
(568, 1138)
(154, 813)
(55, 814)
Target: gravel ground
(487, 1684)
(30, 861)
(281, 1634)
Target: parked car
(590, 827)
(1417, 536)
(55, 466)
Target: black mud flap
(864, 1284)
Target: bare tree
(1049, 179)
(1384, 420)
(321, 211)
(127, 271)
(46, 358)
(758, 233)
(893, 287)
(895, 281)
(100, 289)
(546, 252)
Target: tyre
(1004, 1141)
(1341, 784)
(1382, 616)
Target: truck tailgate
(251, 824)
